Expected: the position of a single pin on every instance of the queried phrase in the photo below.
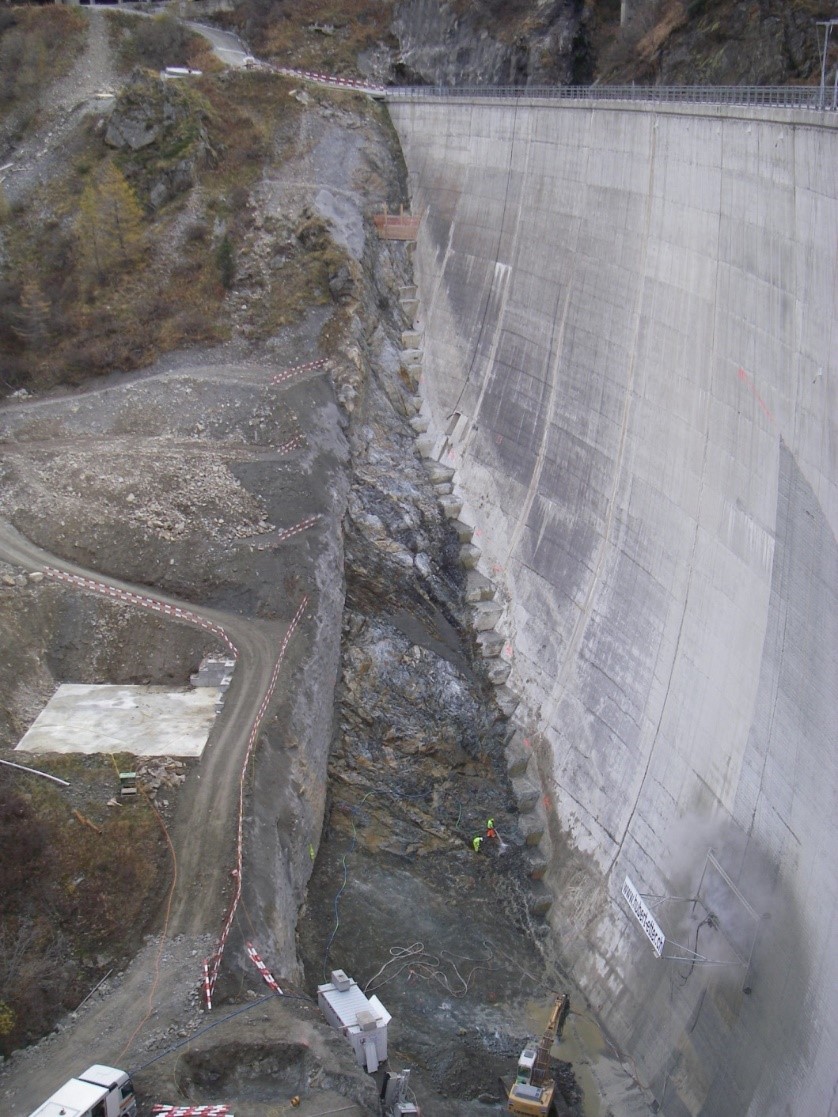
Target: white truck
(99, 1092)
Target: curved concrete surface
(631, 350)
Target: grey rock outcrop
(160, 124)
(456, 44)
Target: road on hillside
(148, 1005)
(205, 853)
(229, 47)
(156, 987)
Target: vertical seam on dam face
(665, 700)
(624, 377)
(585, 614)
(501, 270)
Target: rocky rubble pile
(157, 774)
(177, 497)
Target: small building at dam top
(629, 320)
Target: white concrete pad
(142, 720)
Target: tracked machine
(532, 1092)
(396, 1096)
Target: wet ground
(439, 941)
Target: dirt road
(158, 998)
(206, 853)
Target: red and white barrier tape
(207, 986)
(267, 976)
(292, 444)
(296, 370)
(215, 961)
(192, 1110)
(142, 601)
(303, 525)
(212, 964)
(330, 79)
(288, 533)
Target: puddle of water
(582, 1045)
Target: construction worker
(491, 832)
(476, 843)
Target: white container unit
(361, 1019)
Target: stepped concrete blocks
(412, 377)
(527, 794)
(469, 555)
(440, 473)
(498, 671)
(425, 445)
(485, 615)
(478, 587)
(480, 593)
(516, 761)
(539, 900)
(490, 644)
(409, 303)
(532, 827)
(410, 307)
(537, 864)
(507, 700)
(516, 739)
(451, 506)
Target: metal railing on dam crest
(773, 96)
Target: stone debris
(179, 501)
(154, 774)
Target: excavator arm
(533, 1097)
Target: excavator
(532, 1091)
(396, 1096)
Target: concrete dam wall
(631, 360)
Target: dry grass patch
(158, 42)
(134, 251)
(83, 291)
(37, 47)
(78, 879)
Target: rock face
(569, 42)
(165, 116)
(486, 43)
(710, 42)
(773, 45)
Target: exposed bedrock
(630, 358)
(452, 43)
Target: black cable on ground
(337, 899)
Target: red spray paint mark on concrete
(749, 384)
